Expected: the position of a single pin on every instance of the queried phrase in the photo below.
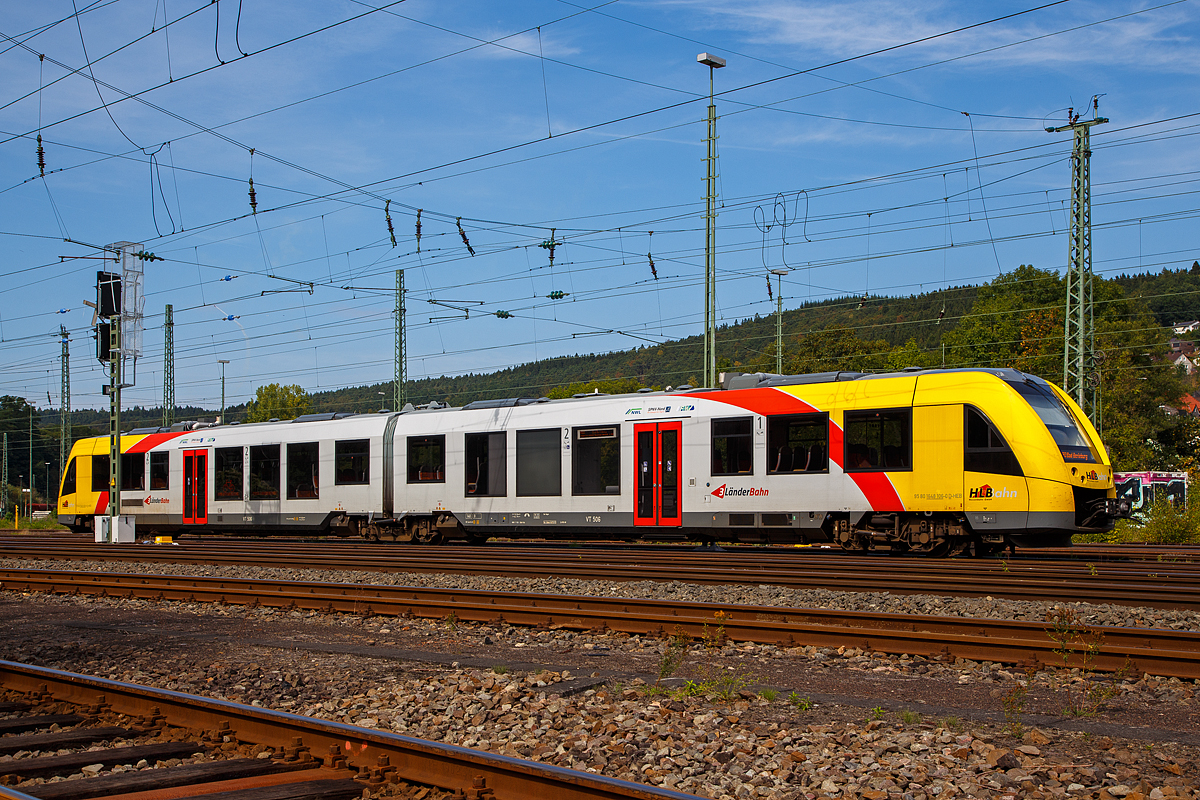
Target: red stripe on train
(760, 401)
(153, 440)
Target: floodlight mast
(710, 229)
(779, 273)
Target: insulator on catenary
(253, 198)
(463, 234)
(550, 244)
(41, 156)
(504, 314)
(557, 294)
(418, 230)
(387, 214)
(650, 258)
(227, 278)
(770, 294)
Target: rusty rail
(1164, 584)
(1151, 650)
(378, 755)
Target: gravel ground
(735, 594)
(754, 721)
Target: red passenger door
(656, 448)
(195, 487)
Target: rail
(372, 758)
(1154, 651)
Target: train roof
(730, 381)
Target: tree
(277, 402)
(615, 386)
(14, 420)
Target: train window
(878, 440)
(986, 450)
(733, 446)
(352, 462)
(264, 472)
(100, 473)
(228, 466)
(133, 472)
(596, 461)
(427, 459)
(487, 465)
(302, 459)
(1059, 420)
(539, 463)
(68, 481)
(798, 443)
(160, 473)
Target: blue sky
(923, 166)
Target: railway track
(1166, 584)
(1139, 650)
(50, 710)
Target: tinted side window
(68, 481)
(985, 449)
(486, 470)
(596, 461)
(160, 472)
(264, 472)
(229, 466)
(878, 440)
(100, 473)
(539, 464)
(133, 471)
(302, 470)
(733, 446)
(427, 459)
(798, 443)
(352, 462)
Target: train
(932, 462)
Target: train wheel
(423, 531)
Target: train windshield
(1057, 417)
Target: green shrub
(1164, 523)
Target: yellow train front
(927, 462)
(945, 461)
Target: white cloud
(1161, 38)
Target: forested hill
(893, 320)
(880, 323)
(1173, 296)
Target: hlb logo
(986, 492)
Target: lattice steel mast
(400, 385)
(168, 417)
(1081, 375)
(64, 424)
